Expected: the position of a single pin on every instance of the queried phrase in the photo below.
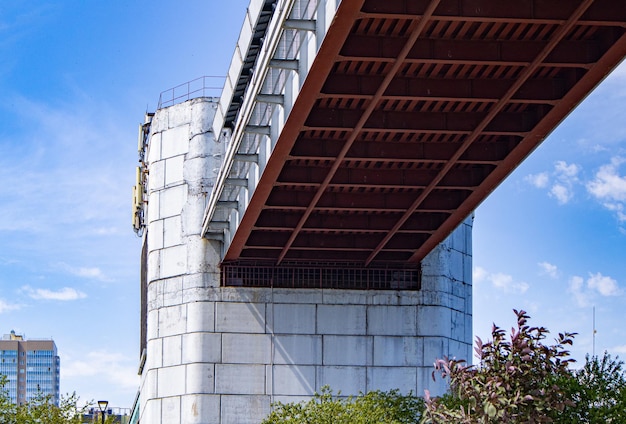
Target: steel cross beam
(524, 76)
(399, 61)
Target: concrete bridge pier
(217, 354)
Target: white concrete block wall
(291, 349)
(392, 320)
(347, 350)
(200, 378)
(199, 409)
(223, 354)
(390, 378)
(247, 348)
(182, 346)
(240, 379)
(390, 351)
(243, 409)
(290, 380)
(341, 319)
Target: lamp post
(102, 404)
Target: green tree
(598, 390)
(41, 409)
(375, 407)
(516, 380)
(7, 409)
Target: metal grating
(329, 275)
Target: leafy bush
(516, 380)
(372, 408)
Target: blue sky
(75, 80)
(552, 238)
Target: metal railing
(206, 86)
(319, 276)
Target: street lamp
(102, 404)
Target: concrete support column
(183, 161)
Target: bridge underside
(412, 113)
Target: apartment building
(32, 367)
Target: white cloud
(576, 288)
(560, 182)
(597, 284)
(500, 281)
(93, 273)
(113, 367)
(561, 193)
(619, 210)
(549, 269)
(606, 286)
(565, 171)
(63, 294)
(106, 231)
(609, 187)
(479, 274)
(538, 180)
(89, 273)
(566, 176)
(6, 307)
(608, 184)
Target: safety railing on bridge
(206, 86)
